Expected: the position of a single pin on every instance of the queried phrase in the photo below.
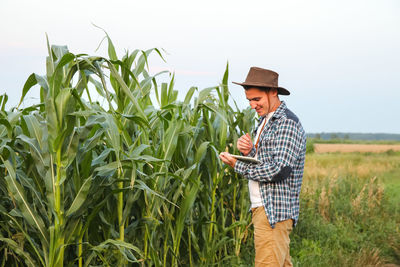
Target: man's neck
(275, 106)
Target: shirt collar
(278, 112)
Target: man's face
(259, 100)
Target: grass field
(350, 212)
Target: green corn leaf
(137, 119)
(164, 94)
(142, 61)
(63, 105)
(126, 90)
(107, 169)
(52, 123)
(26, 235)
(129, 72)
(145, 158)
(80, 196)
(3, 101)
(7, 125)
(141, 185)
(185, 207)
(35, 129)
(223, 131)
(171, 89)
(19, 251)
(138, 150)
(170, 139)
(23, 203)
(211, 108)
(57, 76)
(111, 49)
(201, 152)
(121, 245)
(66, 58)
(30, 82)
(42, 81)
(70, 150)
(33, 145)
(112, 132)
(189, 95)
(59, 51)
(130, 200)
(225, 85)
(203, 95)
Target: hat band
(259, 84)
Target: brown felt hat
(259, 77)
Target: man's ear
(274, 91)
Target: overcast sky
(339, 59)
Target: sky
(339, 59)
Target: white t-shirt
(254, 187)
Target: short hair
(265, 89)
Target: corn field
(131, 179)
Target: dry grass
(369, 257)
(323, 205)
(322, 171)
(318, 167)
(345, 148)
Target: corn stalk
(119, 177)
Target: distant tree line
(354, 136)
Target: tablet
(246, 159)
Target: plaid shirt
(281, 150)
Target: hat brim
(281, 90)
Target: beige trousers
(271, 245)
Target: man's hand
(227, 159)
(244, 144)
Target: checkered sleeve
(241, 167)
(278, 155)
(252, 153)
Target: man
(274, 184)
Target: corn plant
(127, 180)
